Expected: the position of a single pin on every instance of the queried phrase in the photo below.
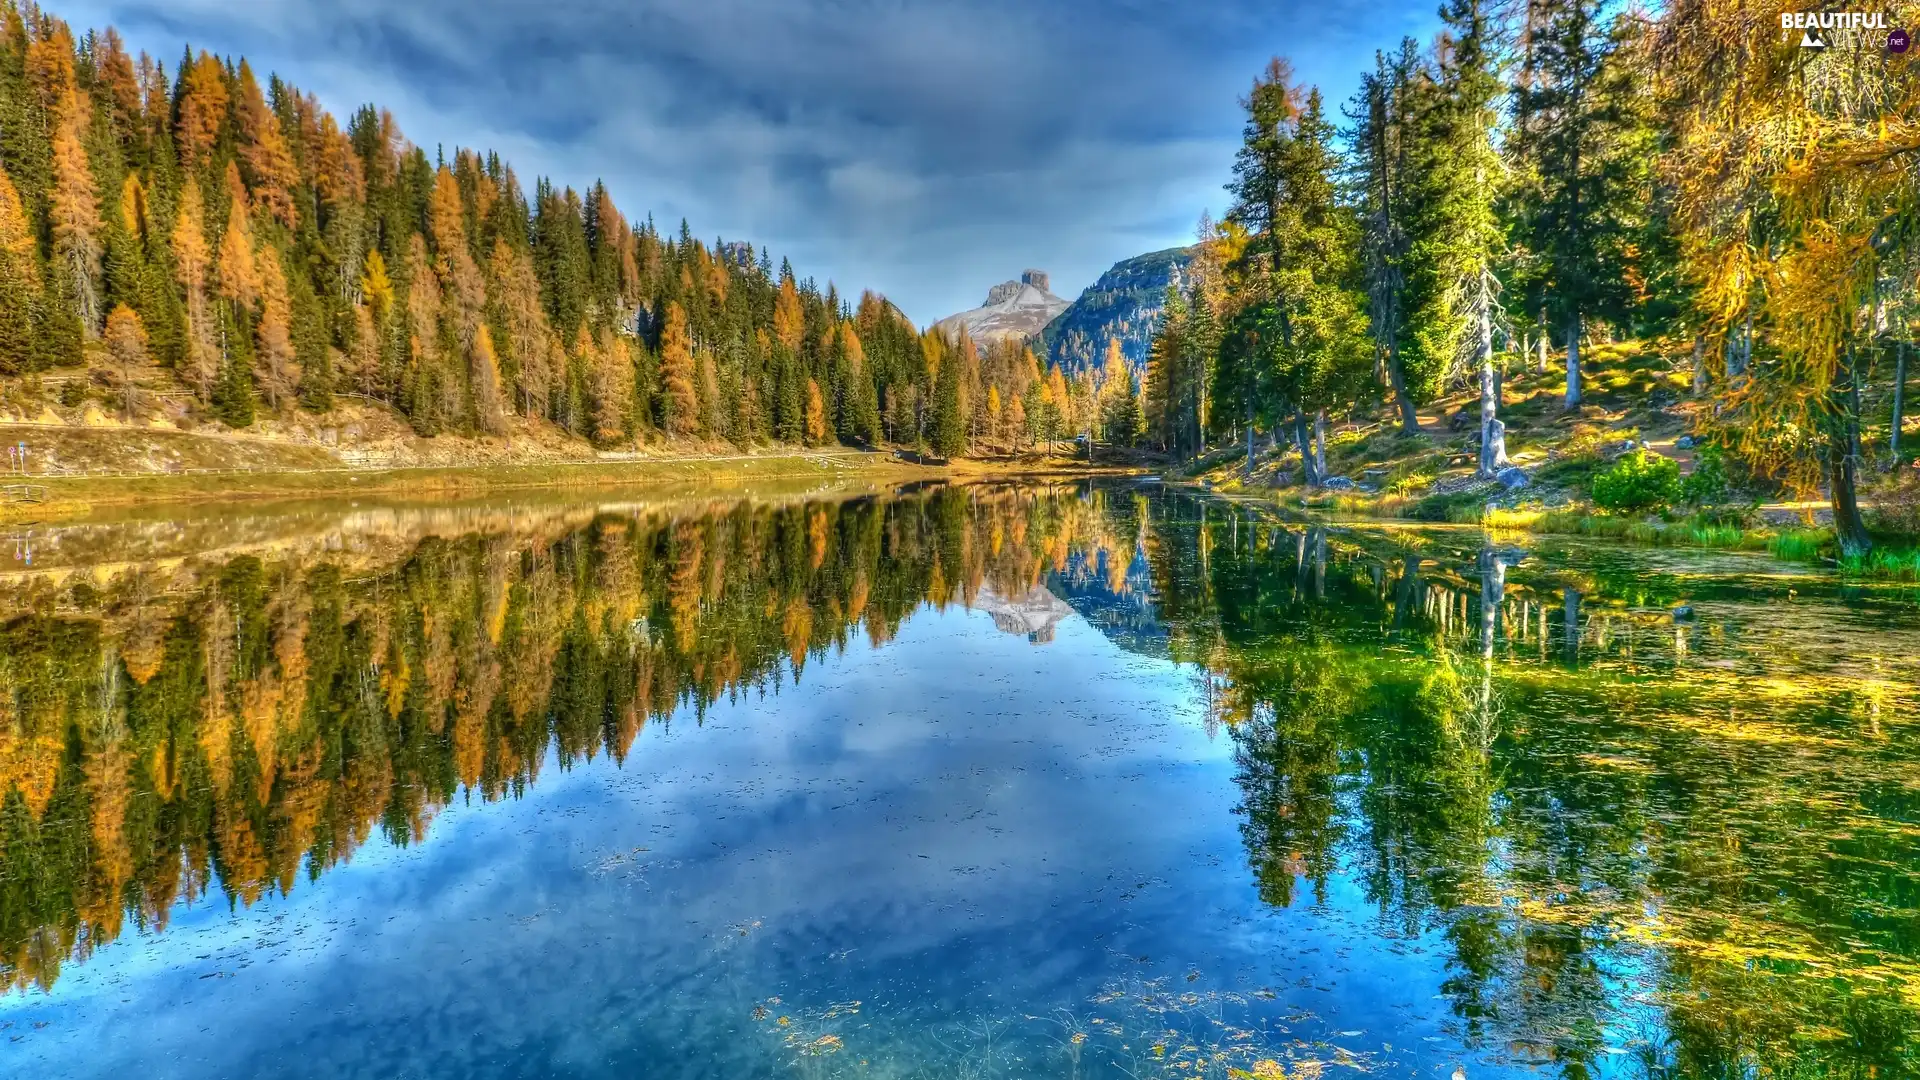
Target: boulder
(1513, 478)
(1683, 613)
(1337, 483)
(1684, 442)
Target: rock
(1684, 442)
(1513, 478)
(1337, 483)
(1014, 309)
(1683, 613)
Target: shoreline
(70, 497)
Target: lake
(1009, 780)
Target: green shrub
(1708, 484)
(1638, 482)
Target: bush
(1638, 482)
(1708, 484)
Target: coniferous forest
(1551, 175)
(204, 241)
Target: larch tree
(270, 171)
(274, 369)
(126, 341)
(202, 109)
(75, 212)
(193, 260)
(681, 400)
(1819, 149)
(816, 414)
(239, 280)
(19, 281)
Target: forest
(1548, 176)
(202, 246)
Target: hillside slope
(1124, 303)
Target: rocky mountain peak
(1018, 308)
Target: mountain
(1019, 308)
(1125, 303)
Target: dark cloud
(925, 149)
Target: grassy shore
(66, 497)
(1894, 559)
(69, 496)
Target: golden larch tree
(677, 373)
(193, 259)
(75, 211)
(126, 340)
(263, 148)
(273, 337)
(203, 108)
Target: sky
(926, 150)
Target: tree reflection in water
(1651, 844)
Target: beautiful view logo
(1822, 29)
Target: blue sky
(927, 150)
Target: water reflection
(1656, 811)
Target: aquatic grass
(1799, 545)
(1895, 564)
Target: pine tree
(1299, 348)
(1456, 235)
(1570, 114)
(949, 434)
(233, 388)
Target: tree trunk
(1492, 451)
(1320, 443)
(1740, 350)
(1699, 365)
(1540, 340)
(1302, 438)
(1573, 363)
(1409, 419)
(1899, 400)
(1249, 468)
(1843, 474)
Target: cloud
(924, 149)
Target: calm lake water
(1068, 781)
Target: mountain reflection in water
(1647, 813)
